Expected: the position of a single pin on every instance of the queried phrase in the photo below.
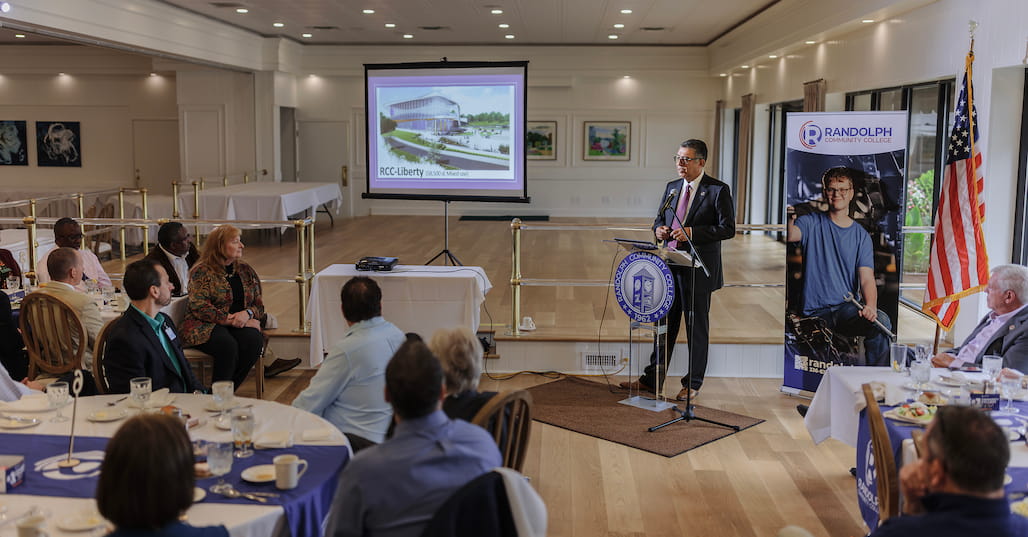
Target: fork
(115, 402)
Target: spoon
(231, 492)
(115, 402)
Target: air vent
(323, 27)
(599, 361)
(433, 28)
(227, 5)
(652, 28)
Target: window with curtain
(1020, 251)
(776, 163)
(931, 107)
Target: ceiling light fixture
(5, 7)
(497, 12)
(368, 11)
(242, 10)
(744, 66)
(627, 76)
(503, 25)
(612, 36)
(408, 36)
(509, 36)
(307, 35)
(19, 36)
(867, 21)
(153, 74)
(61, 74)
(390, 25)
(811, 42)
(619, 25)
(278, 24)
(723, 75)
(626, 11)
(772, 56)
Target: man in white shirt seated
(1004, 331)
(12, 390)
(175, 252)
(64, 265)
(348, 389)
(68, 234)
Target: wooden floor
(748, 484)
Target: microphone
(667, 203)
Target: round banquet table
(311, 437)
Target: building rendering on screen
(430, 113)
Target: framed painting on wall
(58, 143)
(541, 140)
(607, 140)
(13, 144)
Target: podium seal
(644, 287)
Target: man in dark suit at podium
(701, 208)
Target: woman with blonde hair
(461, 356)
(225, 309)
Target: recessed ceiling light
(745, 66)
(5, 7)
(503, 25)
(408, 36)
(368, 11)
(497, 12)
(723, 74)
(626, 11)
(619, 25)
(390, 25)
(627, 76)
(278, 24)
(61, 74)
(242, 10)
(19, 36)
(811, 42)
(772, 56)
(612, 36)
(307, 35)
(153, 74)
(867, 21)
(509, 36)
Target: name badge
(169, 332)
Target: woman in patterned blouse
(225, 309)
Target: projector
(377, 264)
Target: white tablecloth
(241, 520)
(264, 201)
(419, 299)
(16, 240)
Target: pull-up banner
(844, 174)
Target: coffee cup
(31, 526)
(288, 469)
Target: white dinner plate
(945, 380)
(1007, 479)
(262, 473)
(83, 521)
(112, 414)
(31, 403)
(18, 422)
(158, 399)
(199, 494)
(223, 422)
(209, 407)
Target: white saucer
(18, 422)
(32, 403)
(223, 422)
(114, 414)
(83, 521)
(262, 473)
(199, 494)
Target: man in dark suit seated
(144, 342)
(1004, 331)
(175, 252)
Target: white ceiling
(470, 22)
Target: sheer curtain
(743, 158)
(714, 151)
(814, 95)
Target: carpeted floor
(590, 408)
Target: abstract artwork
(58, 143)
(13, 144)
(541, 140)
(607, 140)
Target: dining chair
(499, 503)
(917, 436)
(99, 374)
(54, 335)
(508, 418)
(885, 460)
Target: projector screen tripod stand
(445, 252)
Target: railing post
(224, 180)
(301, 276)
(310, 246)
(515, 278)
(30, 225)
(246, 178)
(174, 200)
(146, 228)
(82, 214)
(196, 207)
(121, 214)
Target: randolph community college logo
(644, 287)
(810, 134)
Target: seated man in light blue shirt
(12, 390)
(348, 389)
(394, 489)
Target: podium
(645, 289)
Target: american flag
(959, 265)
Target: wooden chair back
(885, 459)
(99, 375)
(54, 335)
(508, 418)
(917, 435)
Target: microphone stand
(689, 414)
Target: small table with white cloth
(264, 201)
(420, 299)
(282, 429)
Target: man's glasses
(831, 191)
(685, 160)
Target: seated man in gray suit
(1004, 331)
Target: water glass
(57, 394)
(224, 394)
(1010, 387)
(13, 282)
(108, 295)
(141, 387)
(921, 373)
(219, 460)
(242, 432)
(898, 354)
(991, 366)
(92, 287)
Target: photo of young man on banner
(843, 255)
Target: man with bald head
(64, 266)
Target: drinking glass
(108, 294)
(991, 366)
(57, 393)
(92, 287)
(1010, 387)
(898, 354)
(13, 282)
(219, 459)
(242, 432)
(224, 394)
(141, 388)
(921, 372)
